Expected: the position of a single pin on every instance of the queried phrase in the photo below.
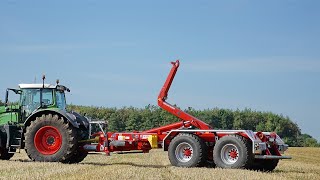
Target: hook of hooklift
(177, 63)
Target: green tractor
(40, 124)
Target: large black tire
(187, 150)
(4, 155)
(265, 165)
(4, 152)
(232, 152)
(270, 164)
(50, 138)
(79, 154)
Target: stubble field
(155, 165)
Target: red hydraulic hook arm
(187, 119)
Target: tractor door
(30, 100)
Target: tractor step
(271, 157)
(15, 146)
(12, 149)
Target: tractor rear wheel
(50, 138)
(232, 152)
(79, 154)
(187, 150)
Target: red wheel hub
(233, 154)
(48, 140)
(187, 152)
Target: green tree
(151, 116)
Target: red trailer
(193, 143)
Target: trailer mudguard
(73, 118)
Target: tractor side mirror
(16, 91)
(7, 98)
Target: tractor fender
(73, 118)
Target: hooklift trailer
(193, 143)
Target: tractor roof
(25, 86)
(47, 86)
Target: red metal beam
(187, 119)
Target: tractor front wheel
(49, 138)
(4, 154)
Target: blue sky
(234, 54)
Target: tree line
(131, 118)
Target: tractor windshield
(61, 100)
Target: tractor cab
(33, 97)
(41, 96)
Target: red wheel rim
(233, 154)
(187, 152)
(48, 140)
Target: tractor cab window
(47, 97)
(61, 100)
(30, 99)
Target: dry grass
(155, 165)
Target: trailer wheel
(265, 165)
(232, 152)
(270, 165)
(187, 150)
(49, 138)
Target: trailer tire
(265, 165)
(270, 165)
(233, 152)
(209, 164)
(187, 150)
(50, 138)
